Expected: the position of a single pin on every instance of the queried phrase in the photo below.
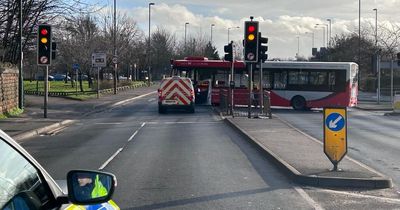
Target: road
(184, 161)
(373, 138)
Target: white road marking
(132, 99)
(171, 123)
(151, 99)
(133, 135)
(110, 159)
(393, 200)
(110, 123)
(120, 149)
(136, 132)
(309, 200)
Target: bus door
(203, 92)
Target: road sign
(75, 66)
(115, 60)
(99, 59)
(335, 134)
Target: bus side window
(332, 81)
(280, 80)
(340, 81)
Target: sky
(282, 21)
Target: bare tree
(34, 12)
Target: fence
(104, 91)
(241, 104)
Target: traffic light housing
(251, 41)
(44, 45)
(228, 49)
(53, 50)
(262, 49)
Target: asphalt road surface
(184, 161)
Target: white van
(176, 92)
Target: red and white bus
(301, 85)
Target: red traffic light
(251, 29)
(44, 32)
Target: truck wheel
(161, 109)
(191, 108)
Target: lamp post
(330, 32)
(312, 35)
(324, 25)
(298, 46)
(185, 33)
(115, 46)
(376, 26)
(149, 46)
(323, 35)
(212, 25)
(230, 29)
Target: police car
(176, 92)
(25, 184)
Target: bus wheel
(299, 103)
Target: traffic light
(262, 49)
(53, 50)
(228, 49)
(44, 45)
(251, 41)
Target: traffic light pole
(261, 87)
(98, 82)
(231, 84)
(46, 90)
(250, 90)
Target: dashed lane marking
(120, 149)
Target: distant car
(25, 184)
(176, 92)
(41, 78)
(61, 77)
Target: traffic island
(301, 157)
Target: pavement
(62, 112)
(302, 158)
(368, 101)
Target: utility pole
(115, 46)
(21, 63)
(149, 47)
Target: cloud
(281, 21)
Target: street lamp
(330, 31)
(323, 26)
(312, 34)
(230, 29)
(115, 46)
(376, 26)
(327, 27)
(185, 32)
(212, 25)
(149, 46)
(298, 46)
